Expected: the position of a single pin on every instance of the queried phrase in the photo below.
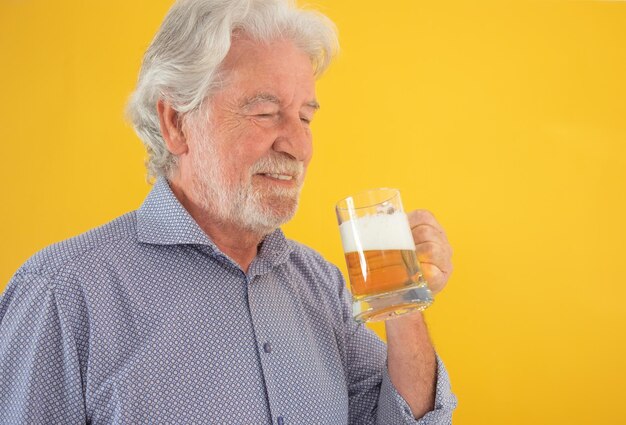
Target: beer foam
(374, 232)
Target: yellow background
(506, 119)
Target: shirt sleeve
(393, 409)
(373, 398)
(39, 366)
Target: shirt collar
(273, 251)
(162, 220)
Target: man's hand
(432, 247)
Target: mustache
(278, 165)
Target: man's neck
(240, 244)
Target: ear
(171, 128)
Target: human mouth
(278, 176)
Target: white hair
(181, 66)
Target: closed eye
(266, 116)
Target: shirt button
(267, 347)
(280, 420)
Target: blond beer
(380, 254)
(379, 271)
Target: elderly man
(195, 308)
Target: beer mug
(385, 276)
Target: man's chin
(263, 226)
(273, 214)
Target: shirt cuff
(393, 409)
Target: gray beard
(243, 205)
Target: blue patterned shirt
(144, 320)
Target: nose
(294, 139)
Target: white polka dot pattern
(144, 320)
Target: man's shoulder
(311, 257)
(301, 250)
(51, 259)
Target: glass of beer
(385, 276)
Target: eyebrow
(313, 104)
(258, 98)
(266, 97)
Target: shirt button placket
(263, 332)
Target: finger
(417, 217)
(434, 268)
(434, 253)
(435, 277)
(423, 235)
(427, 233)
